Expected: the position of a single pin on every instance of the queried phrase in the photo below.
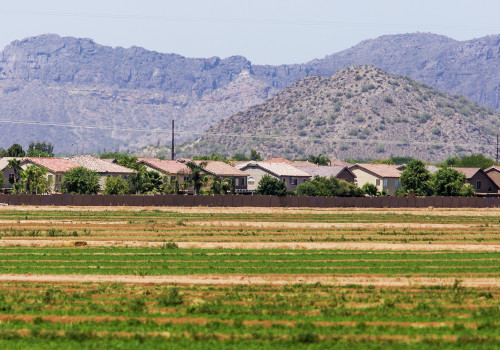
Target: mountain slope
(126, 98)
(360, 112)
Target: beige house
(340, 172)
(171, 168)
(480, 180)
(285, 172)
(8, 173)
(384, 176)
(221, 170)
(493, 173)
(56, 168)
(104, 168)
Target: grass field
(246, 278)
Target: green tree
(475, 161)
(271, 186)
(171, 185)
(37, 153)
(116, 185)
(328, 187)
(122, 159)
(198, 177)
(81, 181)
(40, 149)
(415, 179)
(15, 150)
(33, 180)
(255, 156)
(370, 189)
(15, 165)
(2, 181)
(319, 159)
(144, 181)
(213, 156)
(240, 157)
(450, 182)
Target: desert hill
(359, 112)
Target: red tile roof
(170, 167)
(469, 172)
(100, 165)
(56, 165)
(219, 168)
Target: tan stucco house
(384, 176)
(285, 172)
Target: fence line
(248, 201)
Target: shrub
(116, 185)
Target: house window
(58, 178)
(293, 181)
(236, 181)
(385, 182)
(251, 180)
(243, 181)
(377, 182)
(11, 178)
(478, 184)
(396, 183)
(186, 178)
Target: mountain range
(125, 98)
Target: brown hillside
(359, 112)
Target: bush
(271, 186)
(322, 186)
(81, 181)
(116, 185)
(370, 189)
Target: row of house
(246, 175)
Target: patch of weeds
(170, 245)
(173, 298)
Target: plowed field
(249, 278)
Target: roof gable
(55, 165)
(171, 167)
(380, 170)
(277, 169)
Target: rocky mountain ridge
(125, 98)
(360, 112)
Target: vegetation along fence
(248, 201)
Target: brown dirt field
(244, 210)
(490, 247)
(270, 279)
(372, 226)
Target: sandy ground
(256, 245)
(245, 210)
(258, 279)
(369, 225)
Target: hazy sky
(264, 31)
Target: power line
(402, 142)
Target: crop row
(196, 261)
(295, 315)
(221, 233)
(152, 216)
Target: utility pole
(498, 149)
(173, 143)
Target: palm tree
(14, 164)
(198, 177)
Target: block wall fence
(248, 201)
